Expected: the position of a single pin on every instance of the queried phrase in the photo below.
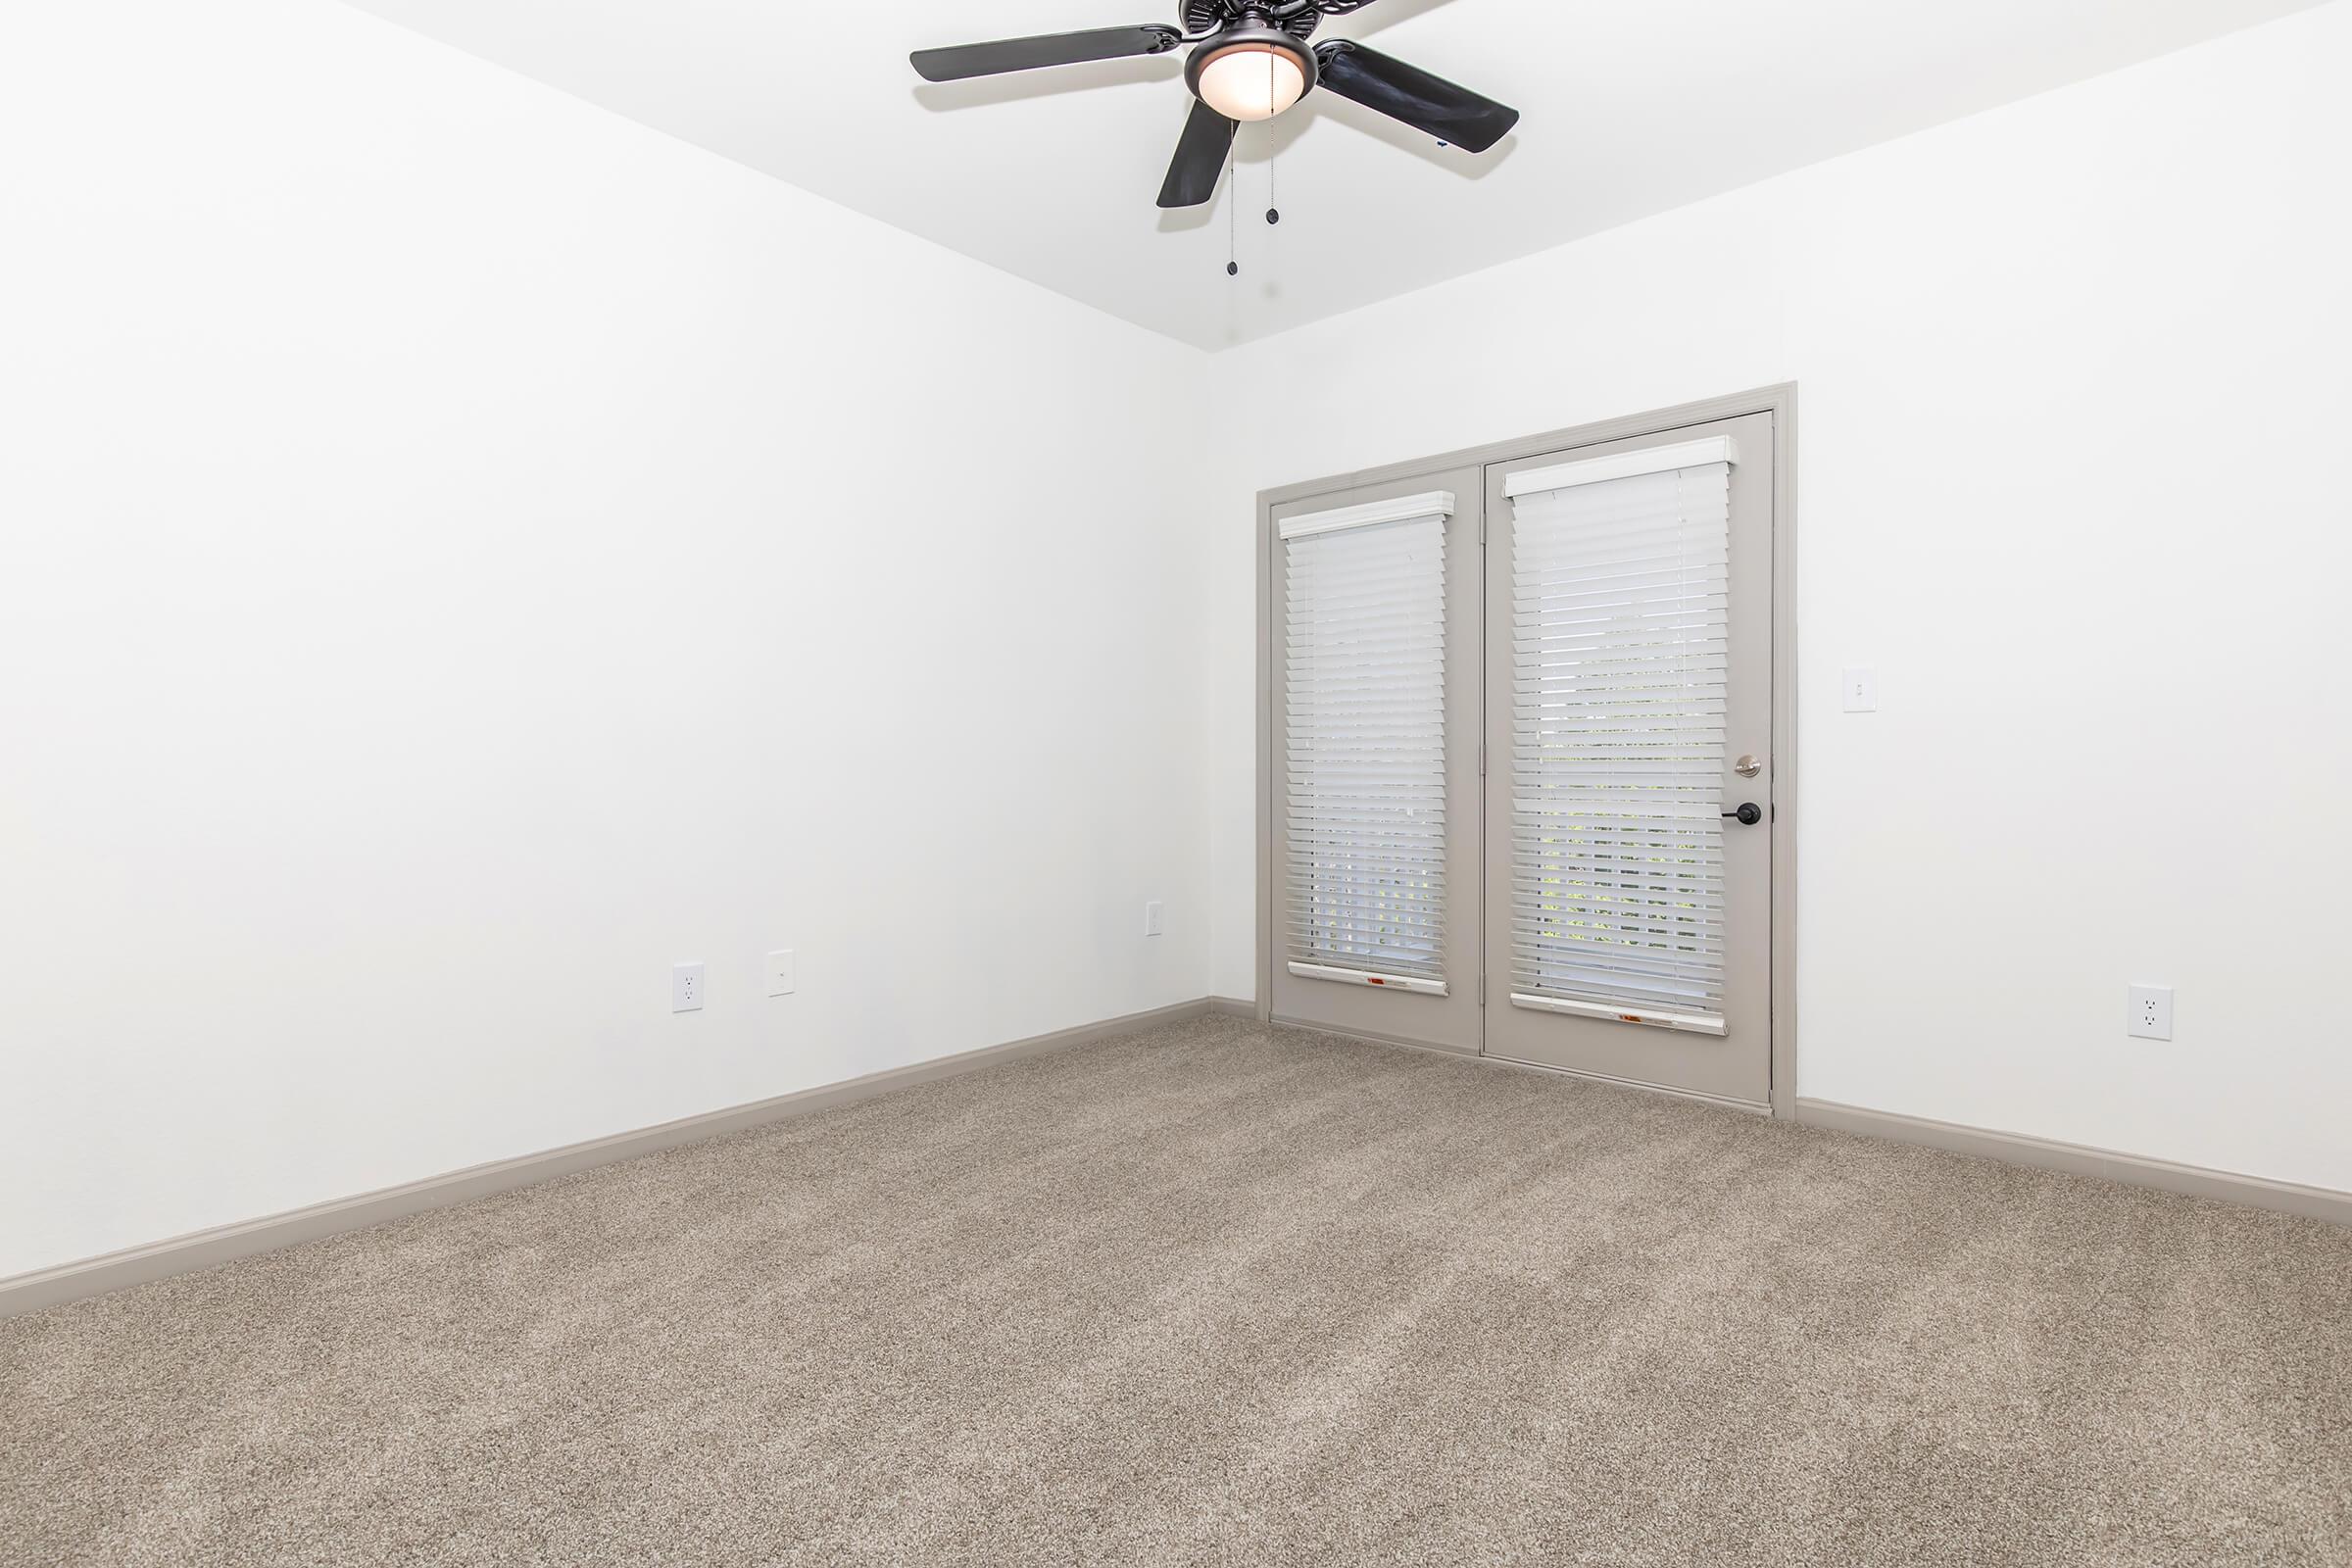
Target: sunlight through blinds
(1620, 589)
(1364, 742)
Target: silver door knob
(1747, 767)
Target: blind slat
(1364, 743)
(1621, 591)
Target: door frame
(1777, 400)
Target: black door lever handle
(1750, 813)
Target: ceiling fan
(1252, 62)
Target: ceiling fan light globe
(1251, 80)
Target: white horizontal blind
(1620, 612)
(1364, 744)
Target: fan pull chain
(1273, 146)
(1232, 217)
(1233, 181)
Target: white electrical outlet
(782, 975)
(2151, 1014)
(685, 988)
(1155, 918)
(1861, 689)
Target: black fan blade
(1408, 93)
(1199, 158)
(1047, 49)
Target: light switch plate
(1861, 689)
(685, 988)
(782, 972)
(1155, 918)
(2151, 1014)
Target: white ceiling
(1631, 107)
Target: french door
(1522, 771)
(1377, 671)
(1629, 725)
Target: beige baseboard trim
(2078, 1160)
(223, 1243)
(1233, 1007)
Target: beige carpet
(1224, 1296)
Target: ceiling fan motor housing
(1213, 16)
(1207, 16)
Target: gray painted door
(1377, 672)
(1628, 676)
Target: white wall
(2074, 418)
(461, 552)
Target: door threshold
(1370, 1037)
(1750, 1108)
(1745, 1107)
